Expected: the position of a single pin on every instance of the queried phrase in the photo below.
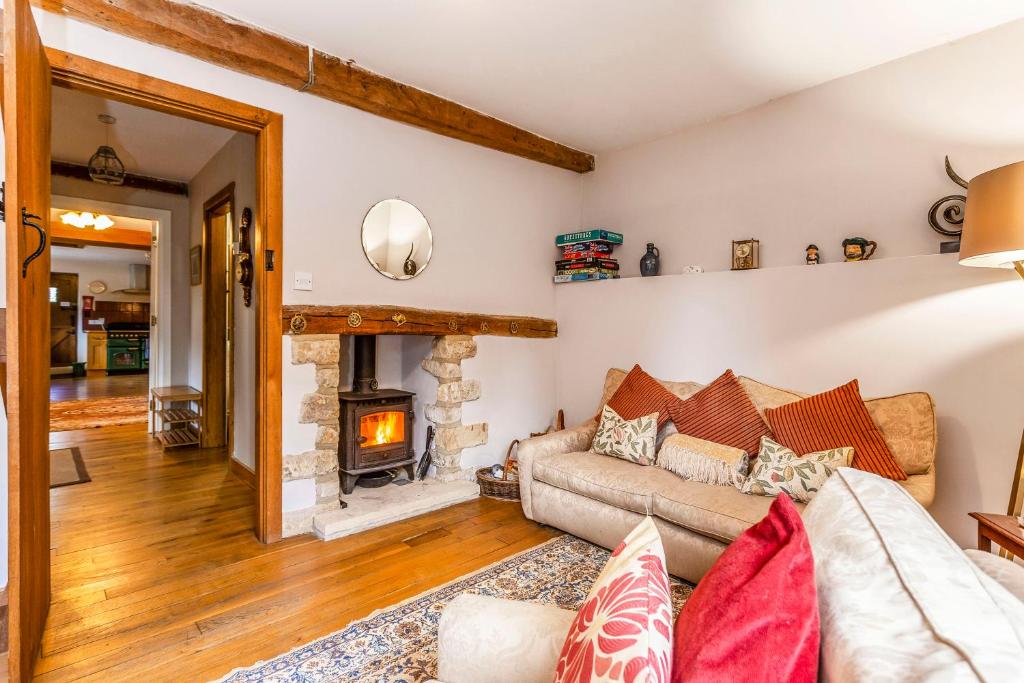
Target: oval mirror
(397, 239)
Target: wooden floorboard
(157, 575)
(98, 385)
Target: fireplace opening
(376, 424)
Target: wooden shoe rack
(177, 415)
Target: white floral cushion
(778, 469)
(623, 631)
(631, 440)
(695, 459)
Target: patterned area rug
(399, 644)
(86, 413)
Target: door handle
(27, 221)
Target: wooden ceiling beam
(69, 169)
(222, 40)
(69, 236)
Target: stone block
(442, 370)
(442, 460)
(327, 435)
(318, 407)
(443, 415)
(459, 392)
(319, 349)
(453, 347)
(327, 377)
(448, 474)
(309, 464)
(297, 522)
(452, 439)
(327, 488)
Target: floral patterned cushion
(631, 440)
(777, 470)
(623, 632)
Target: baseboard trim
(242, 472)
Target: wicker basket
(493, 487)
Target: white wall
(177, 242)
(114, 274)
(904, 324)
(234, 163)
(861, 155)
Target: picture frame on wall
(195, 260)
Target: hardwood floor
(98, 386)
(157, 575)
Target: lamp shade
(993, 231)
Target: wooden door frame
(214, 367)
(96, 78)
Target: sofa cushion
(695, 459)
(907, 421)
(723, 413)
(897, 594)
(778, 469)
(638, 395)
(754, 616)
(719, 512)
(835, 419)
(631, 440)
(613, 378)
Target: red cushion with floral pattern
(623, 632)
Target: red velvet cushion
(639, 395)
(754, 616)
(723, 413)
(835, 419)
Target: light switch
(304, 282)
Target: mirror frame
(362, 244)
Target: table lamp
(993, 237)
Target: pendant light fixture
(104, 166)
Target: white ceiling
(602, 74)
(148, 142)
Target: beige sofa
(601, 499)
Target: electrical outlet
(304, 282)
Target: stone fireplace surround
(449, 484)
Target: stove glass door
(380, 428)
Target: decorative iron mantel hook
(953, 213)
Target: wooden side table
(177, 418)
(1003, 530)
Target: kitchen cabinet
(97, 346)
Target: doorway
(218, 318)
(29, 70)
(63, 319)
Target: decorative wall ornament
(297, 324)
(513, 327)
(812, 258)
(858, 248)
(950, 208)
(484, 327)
(453, 325)
(399, 319)
(354, 319)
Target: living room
(770, 207)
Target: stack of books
(587, 255)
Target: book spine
(581, 271)
(587, 236)
(583, 277)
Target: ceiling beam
(69, 169)
(69, 236)
(222, 40)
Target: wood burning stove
(376, 424)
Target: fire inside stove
(382, 428)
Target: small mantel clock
(745, 254)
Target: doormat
(86, 413)
(398, 644)
(67, 468)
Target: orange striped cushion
(723, 413)
(639, 395)
(834, 419)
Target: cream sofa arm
(565, 441)
(484, 640)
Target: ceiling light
(86, 220)
(104, 166)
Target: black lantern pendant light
(104, 166)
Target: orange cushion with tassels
(835, 419)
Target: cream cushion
(695, 459)
(719, 512)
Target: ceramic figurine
(693, 269)
(858, 248)
(650, 264)
(813, 258)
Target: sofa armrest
(483, 640)
(565, 441)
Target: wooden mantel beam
(360, 320)
(219, 39)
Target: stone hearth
(318, 467)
